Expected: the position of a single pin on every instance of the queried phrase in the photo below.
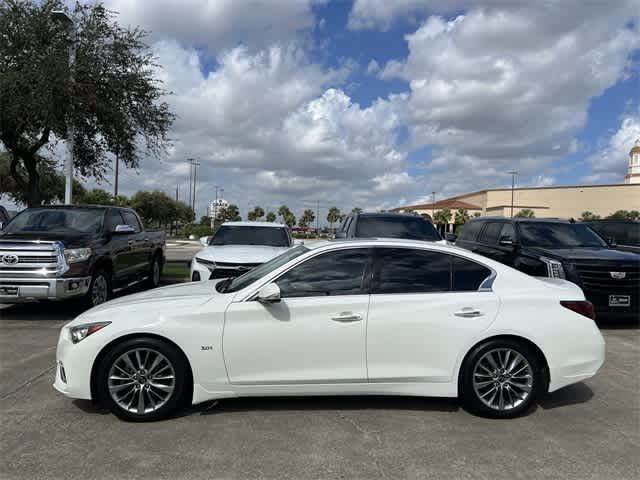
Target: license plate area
(9, 291)
(619, 300)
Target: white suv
(237, 247)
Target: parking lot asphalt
(587, 431)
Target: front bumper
(73, 367)
(21, 289)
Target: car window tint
(406, 270)
(405, 226)
(508, 232)
(115, 218)
(470, 231)
(132, 220)
(467, 275)
(334, 273)
(491, 232)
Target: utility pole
(433, 206)
(63, 17)
(317, 217)
(513, 174)
(195, 164)
(115, 186)
(190, 179)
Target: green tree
(462, 216)
(271, 217)
(229, 214)
(97, 196)
(625, 215)
(442, 217)
(109, 100)
(525, 213)
(287, 216)
(356, 210)
(588, 216)
(307, 217)
(205, 220)
(333, 216)
(157, 208)
(255, 214)
(477, 214)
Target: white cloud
(218, 24)
(611, 162)
(373, 67)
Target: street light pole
(63, 17)
(433, 206)
(513, 174)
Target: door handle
(130, 242)
(468, 312)
(346, 317)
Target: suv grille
(24, 259)
(598, 278)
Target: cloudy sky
(377, 103)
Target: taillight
(583, 307)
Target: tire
(144, 394)
(493, 386)
(99, 289)
(155, 272)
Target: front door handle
(346, 317)
(468, 312)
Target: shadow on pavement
(571, 395)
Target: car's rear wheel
(501, 378)
(142, 379)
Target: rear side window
(405, 270)
(507, 232)
(396, 227)
(467, 275)
(470, 231)
(491, 232)
(333, 273)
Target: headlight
(73, 255)
(81, 332)
(207, 263)
(554, 267)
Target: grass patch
(175, 270)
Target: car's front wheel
(142, 379)
(99, 289)
(501, 378)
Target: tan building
(633, 172)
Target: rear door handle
(346, 317)
(130, 242)
(468, 312)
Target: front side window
(115, 219)
(470, 231)
(248, 235)
(491, 232)
(339, 272)
(132, 220)
(558, 235)
(508, 232)
(396, 227)
(405, 270)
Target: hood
(69, 241)
(585, 254)
(240, 253)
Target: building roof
(450, 203)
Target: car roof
(521, 220)
(388, 214)
(78, 206)
(255, 224)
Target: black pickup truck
(610, 278)
(85, 252)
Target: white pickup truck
(237, 247)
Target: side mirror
(450, 237)
(269, 293)
(204, 241)
(340, 235)
(1, 225)
(297, 241)
(610, 240)
(124, 229)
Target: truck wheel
(99, 289)
(155, 272)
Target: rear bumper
(580, 364)
(22, 290)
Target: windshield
(558, 235)
(65, 221)
(397, 227)
(238, 283)
(621, 233)
(247, 235)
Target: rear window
(396, 227)
(248, 235)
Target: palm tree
(462, 216)
(356, 210)
(525, 213)
(333, 216)
(307, 217)
(587, 216)
(271, 217)
(442, 218)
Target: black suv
(621, 234)
(4, 216)
(387, 225)
(610, 278)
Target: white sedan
(394, 317)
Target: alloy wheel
(141, 380)
(100, 290)
(503, 379)
(156, 273)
